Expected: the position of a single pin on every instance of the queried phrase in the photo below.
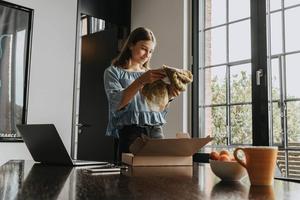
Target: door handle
(259, 74)
(81, 125)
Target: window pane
(275, 80)
(276, 33)
(290, 159)
(239, 9)
(293, 122)
(215, 85)
(292, 75)
(241, 124)
(292, 30)
(215, 124)
(240, 83)
(290, 2)
(275, 4)
(215, 12)
(277, 137)
(293, 164)
(239, 41)
(281, 160)
(215, 46)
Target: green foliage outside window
(241, 115)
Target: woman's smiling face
(141, 52)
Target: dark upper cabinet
(114, 11)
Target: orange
(224, 157)
(224, 152)
(214, 155)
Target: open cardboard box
(163, 152)
(166, 171)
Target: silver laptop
(46, 146)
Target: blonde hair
(135, 36)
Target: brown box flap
(168, 147)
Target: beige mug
(259, 162)
(261, 192)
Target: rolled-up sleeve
(113, 88)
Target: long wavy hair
(135, 36)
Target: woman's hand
(147, 77)
(173, 92)
(151, 75)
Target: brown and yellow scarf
(157, 93)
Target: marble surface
(25, 180)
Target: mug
(259, 162)
(261, 192)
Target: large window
(229, 81)
(15, 26)
(284, 54)
(226, 72)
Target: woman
(129, 115)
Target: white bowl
(228, 170)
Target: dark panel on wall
(114, 11)
(92, 142)
(121, 12)
(96, 8)
(259, 62)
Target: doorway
(97, 47)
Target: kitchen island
(21, 179)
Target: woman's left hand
(173, 92)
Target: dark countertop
(26, 180)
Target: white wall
(53, 56)
(51, 70)
(168, 20)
